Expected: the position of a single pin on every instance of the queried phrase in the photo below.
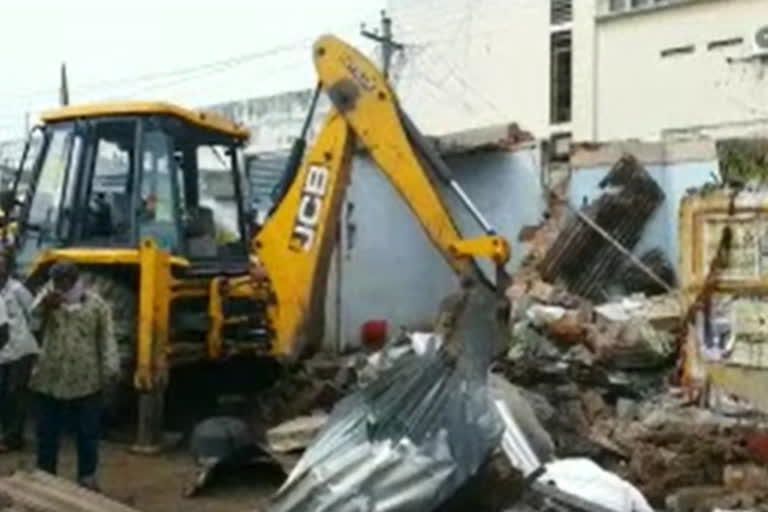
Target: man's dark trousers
(83, 416)
(14, 400)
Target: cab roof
(206, 120)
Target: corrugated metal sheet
(42, 492)
(581, 258)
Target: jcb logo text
(310, 206)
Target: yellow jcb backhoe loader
(152, 201)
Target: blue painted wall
(392, 271)
(674, 179)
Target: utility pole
(388, 45)
(63, 86)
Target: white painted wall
(584, 61)
(639, 94)
(472, 63)
(274, 121)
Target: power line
(467, 86)
(130, 90)
(443, 18)
(179, 76)
(210, 66)
(438, 85)
(184, 75)
(475, 35)
(302, 43)
(214, 66)
(269, 75)
(438, 10)
(467, 107)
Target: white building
(597, 69)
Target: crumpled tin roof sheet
(404, 443)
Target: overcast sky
(190, 52)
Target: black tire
(122, 298)
(120, 294)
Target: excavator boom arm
(295, 245)
(363, 97)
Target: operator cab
(109, 176)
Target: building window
(560, 76)
(560, 11)
(617, 5)
(625, 5)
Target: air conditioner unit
(759, 40)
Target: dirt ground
(156, 483)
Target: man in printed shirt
(16, 357)
(78, 358)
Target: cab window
(157, 208)
(210, 198)
(107, 201)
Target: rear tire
(121, 297)
(119, 402)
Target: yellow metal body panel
(214, 341)
(84, 256)
(206, 120)
(145, 350)
(494, 248)
(88, 256)
(295, 244)
(161, 318)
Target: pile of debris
(628, 346)
(685, 456)
(588, 386)
(595, 344)
(312, 387)
(581, 413)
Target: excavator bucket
(473, 320)
(408, 440)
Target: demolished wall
(583, 258)
(675, 166)
(594, 395)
